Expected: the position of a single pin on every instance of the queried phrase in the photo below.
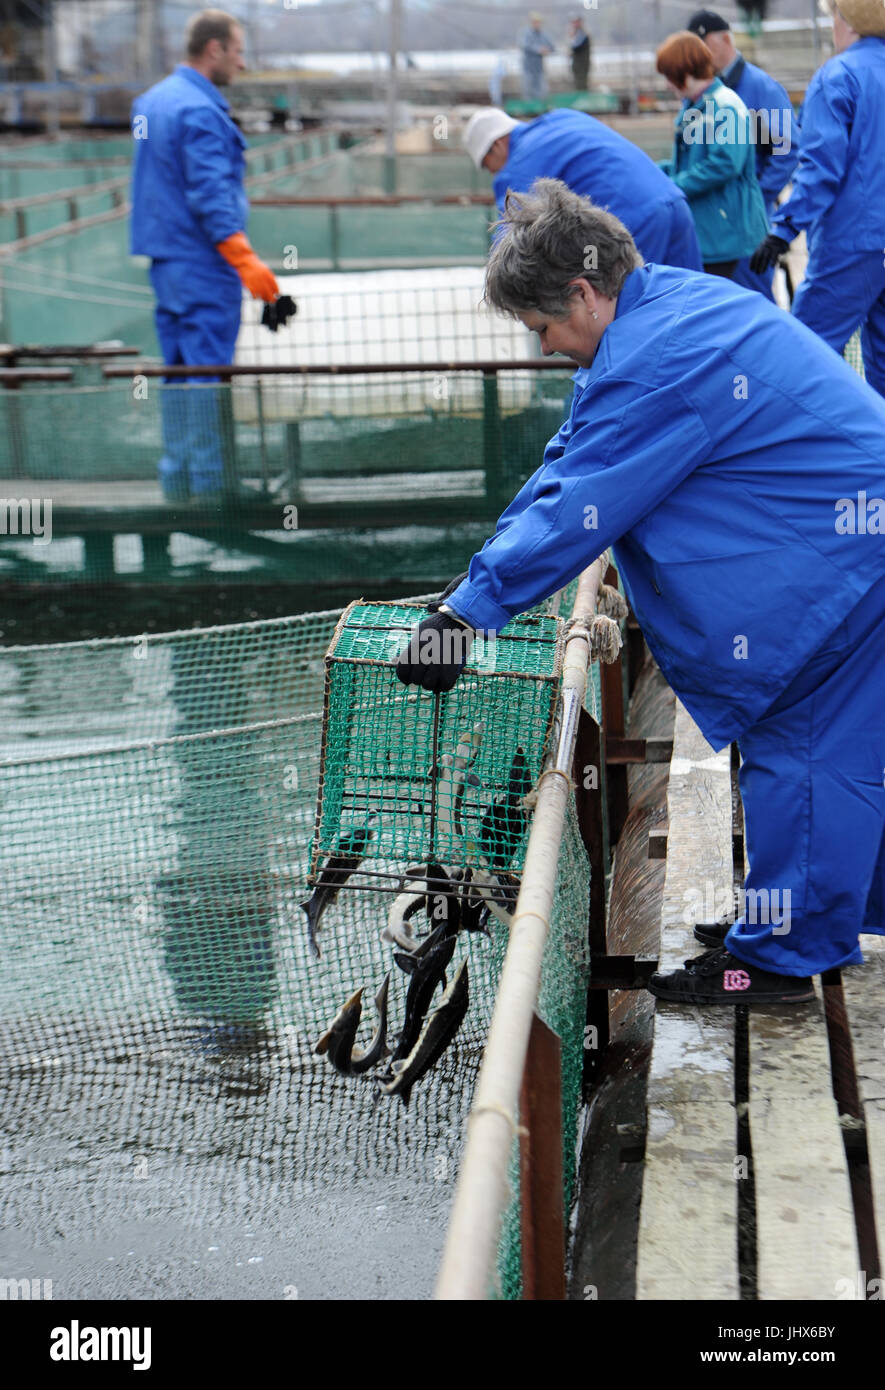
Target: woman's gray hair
(549, 237)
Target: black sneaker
(718, 977)
(713, 933)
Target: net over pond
(169, 1130)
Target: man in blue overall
(189, 213)
(775, 126)
(738, 468)
(838, 196)
(535, 47)
(595, 161)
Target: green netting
(352, 237)
(159, 799)
(384, 751)
(357, 454)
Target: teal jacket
(714, 163)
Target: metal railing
(519, 1047)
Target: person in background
(838, 196)
(709, 436)
(595, 161)
(535, 47)
(580, 45)
(775, 126)
(189, 213)
(713, 160)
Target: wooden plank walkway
(745, 1096)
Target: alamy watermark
(767, 907)
(27, 516)
(723, 125)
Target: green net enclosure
(164, 1105)
(432, 769)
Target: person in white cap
(594, 161)
(838, 196)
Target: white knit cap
(483, 129)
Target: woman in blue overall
(738, 468)
(714, 161)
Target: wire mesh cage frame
(392, 880)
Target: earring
(595, 315)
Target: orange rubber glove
(258, 278)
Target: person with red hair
(714, 162)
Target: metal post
(612, 680)
(390, 143)
(540, 1167)
(491, 439)
(335, 237)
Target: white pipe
(482, 1192)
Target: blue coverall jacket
(598, 163)
(709, 441)
(776, 156)
(188, 195)
(838, 196)
(838, 199)
(187, 180)
(714, 163)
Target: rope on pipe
(482, 1191)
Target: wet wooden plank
(805, 1232)
(863, 987)
(688, 1218)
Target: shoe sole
(745, 996)
(708, 938)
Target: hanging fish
(338, 1040)
(453, 777)
(435, 1037)
(498, 892)
(426, 972)
(339, 866)
(504, 824)
(405, 905)
(428, 888)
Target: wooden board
(688, 1218)
(805, 1232)
(864, 990)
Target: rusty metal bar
(14, 376)
(528, 364)
(365, 200)
(540, 1167)
(61, 195)
(44, 352)
(638, 750)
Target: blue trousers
(814, 805)
(197, 320)
(836, 298)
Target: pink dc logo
(735, 979)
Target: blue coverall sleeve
(630, 450)
(721, 163)
(827, 116)
(777, 168)
(211, 175)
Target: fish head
(345, 1022)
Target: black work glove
(276, 314)
(450, 588)
(768, 253)
(435, 654)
